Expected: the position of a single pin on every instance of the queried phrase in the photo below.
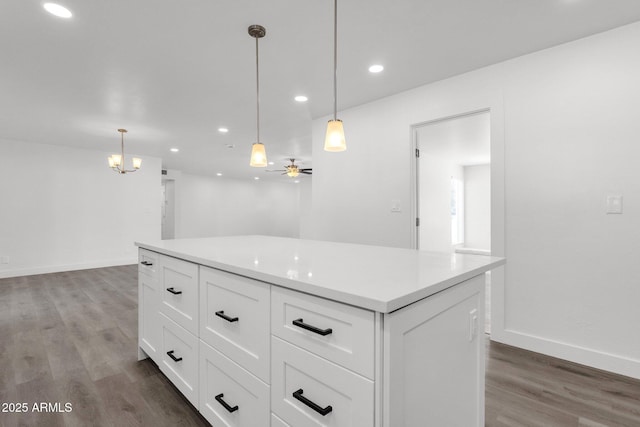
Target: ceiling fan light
(258, 155)
(334, 139)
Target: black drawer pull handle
(175, 359)
(225, 317)
(173, 291)
(147, 263)
(322, 411)
(300, 323)
(225, 404)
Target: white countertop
(372, 277)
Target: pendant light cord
(335, 59)
(257, 94)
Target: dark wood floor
(71, 338)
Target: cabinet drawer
(349, 339)
(179, 292)
(295, 372)
(234, 318)
(148, 263)
(179, 358)
(229, 395)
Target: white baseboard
(69, 267)
(584, 356)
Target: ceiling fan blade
(307, 172)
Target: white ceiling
(172, 72)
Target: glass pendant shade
(258, 155)
(334, 140)
(137, 163)
(115, 160)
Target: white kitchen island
(268, 331)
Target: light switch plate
(614, 204)
(395, 206)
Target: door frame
(495, 106)
(415, 173)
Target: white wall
(568, 118)
(168, 208)
(64, 209)
(477, 206)
(306, 208)
(216, 206)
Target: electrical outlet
(473, 324)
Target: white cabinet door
(277, 422)
(229, 395)
(234, 318)
(338, 332)
(179, 292)
(180, 358)
(307, 390)
(148, 322)
(434, 360)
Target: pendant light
(116, 161)
(258, 154)
(334, 139)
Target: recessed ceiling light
(57, 10)
(271, 163)
(174, 150)
(296, 181)
(223, 130)
(301, 98)
(376, 68)
(256, 178)
(219, 174)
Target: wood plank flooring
(72, 337)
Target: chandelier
(116, 161)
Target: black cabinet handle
(173, 291)
(147, 263)
(225, 317)
(225, 404)
(175, 359)
(300, 323)
(322, 411)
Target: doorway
(453, 187)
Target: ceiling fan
(293, 170)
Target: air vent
(164, 171)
